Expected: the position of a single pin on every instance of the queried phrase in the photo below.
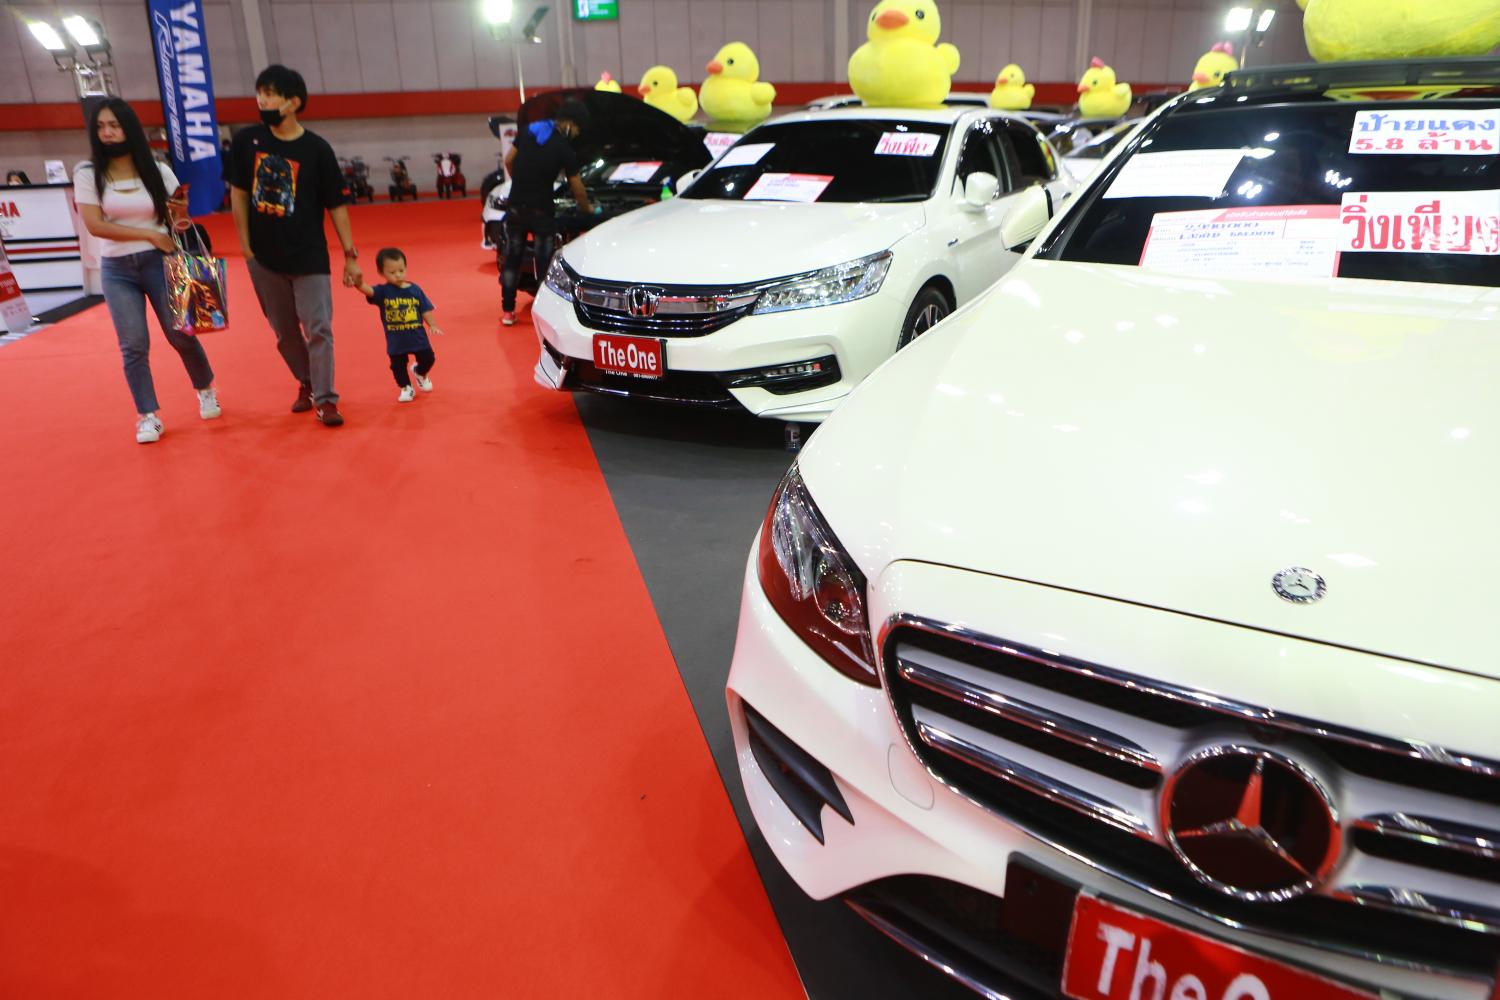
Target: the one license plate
(1114, 954)
(642, 357)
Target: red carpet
(378, 711)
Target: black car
(629, 153)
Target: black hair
(19, 175)
(140, 154)
(388, 253)
(283, 82)
(573, 110)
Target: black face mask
(114, 149)
(271, 117)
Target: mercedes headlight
(827, 287)
(813, 584)
(561, 279)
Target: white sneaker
(423, 382)
(208, 403)
(407, 394)
(147, 428)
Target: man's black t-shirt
(533, 174)
(290, 185)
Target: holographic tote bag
(197, 292)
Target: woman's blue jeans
(129, 282)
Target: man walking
(284, 178)
(543, 150)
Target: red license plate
(1114, 954)
(639, 356)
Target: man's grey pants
(300, 310)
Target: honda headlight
(827, 287)
(813, 584)
(561, 279)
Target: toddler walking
(406, 313)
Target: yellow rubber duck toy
(660, 90)
(1344, 30)
(902, 65)
(1211, 68)
(607, 83)
(1012, 92)
(732, 91)
(1099, 96)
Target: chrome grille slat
(1036, 717)
(1466, 914)
(1414, 749)
(1432, 832)
(1032, 780)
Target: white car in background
(806, 255)
(1148, 651)
(1083, 159)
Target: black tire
(930, 308)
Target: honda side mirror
(685, 181)
(980, 189)
(1028, 216)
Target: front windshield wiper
(889, 199)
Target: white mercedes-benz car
(1149, 652)
(807, 254)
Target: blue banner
(187, 100)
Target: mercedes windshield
(1392, 190)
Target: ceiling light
(48, 36)
(82, 31)
(497, 11)
(1264, 24)
(1238, 19)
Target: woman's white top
(125, 203)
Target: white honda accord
(807, 254)
(1150, 652)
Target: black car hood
(623, 128)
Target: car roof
(937, 116)
(1373, 81)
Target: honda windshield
(837, 160)
(1398, 191)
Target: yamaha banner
(187, 100)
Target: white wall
(353, 46)
(367, 46)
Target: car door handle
(953, 242)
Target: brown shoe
(330, 415)
(304, 399)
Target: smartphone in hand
(182, 221)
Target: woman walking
(122, 196)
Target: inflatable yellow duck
(1099, 96)
(1211, 68)
(607, 83)
(1012, 92)
(902, 65)
(732, 91)
(1343, 30)
(660, 90)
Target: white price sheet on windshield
(789, 187)
(746, 155)
(1183, 173)
(1280, 241)
(635, 173)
